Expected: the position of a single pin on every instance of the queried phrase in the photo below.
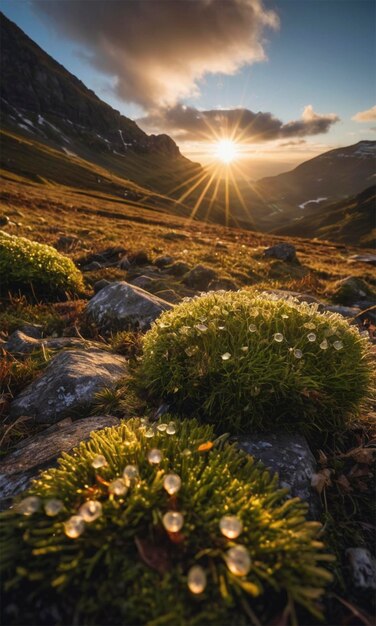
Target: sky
(285, 79)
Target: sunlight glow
(226, 150)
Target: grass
(128, 566)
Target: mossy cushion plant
(158, 524)
(32, 266)
(247, 361)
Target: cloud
(158, 50)
(287, 144)
(365, 116)
(189, 123)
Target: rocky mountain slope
(41, 100)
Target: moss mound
(111, 535)
(247, 361)
(31, 266)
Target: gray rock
(21, 342)
(174, 236)
(199, 277)
(139, 258)
(92, 267)
(124, 263)
(40, 451)
(283, 252)
(144, 282)
(364, 258)
(290, 456)
(222, 284)
(122, 306)
(351, 290)
(4, 220)
(363, 568)
(101, 284)
(161, 261)
(345, 311)
(179, 268)
(69, 381)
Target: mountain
(332, 176)
(47, 110)
(349, 221)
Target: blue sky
(322, 55)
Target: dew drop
(238, 560)
(278, 337)
(172, 483)
(130, 474)
(201, 327)
(161, 427)
(338, 345)
(196, 579)
(53, 507)
(90, 510)
(173, 521)
(298, 353)
(118, 487)
(252, 328)
(149, 433)
(226, 356)
(324, 344)
(74, 526)
(99, 461)
(230, 526)
(154, 456)
(311, 337)
(29, 505)
(171, 430)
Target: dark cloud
(287, 144)
(157, 50)
(188, 123)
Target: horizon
(273, 106)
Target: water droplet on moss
(53, 507)
(99, 461)
(173, 521)
(29, 505)
(238, 560)
(324, 345)
(90, 510)
(171, 430)
(298, 353)
(252, 328)
(278, 337)
(201, 327)
(196, 579)
(161, 427)
(226, 356)
(130, 474)
(74, 527)
(338, 345)
(118, 487)
(230, 526)
(172, 483)
(311, 337)
(155, 456)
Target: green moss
(125, 568)
(248, 361)
(36, 268)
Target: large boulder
(41, 451)
(353, 290)
(22, 342)
(290, 457)
(70, 380)
(122, 306)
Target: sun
(226, 150)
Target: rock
(351, 290)
(199, 277)
(40, 451)
(283, 252)
(122, 306)
(139, 258)
(106, 258)
(364, 258)
(179, 268)
(290, 456)
(124, 263)
(92, 267)
(345, 311)
(222, 284)
(174, 236)
(65, 242)
(144, 282)
(161, 261)
(363, 568)
(69, 381)
(101, 284)
(21, 342)
(4, 220)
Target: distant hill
(350, 221)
